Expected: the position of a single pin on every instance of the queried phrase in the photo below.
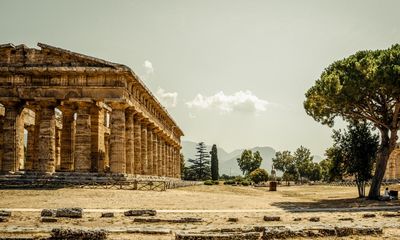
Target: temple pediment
(48, 56)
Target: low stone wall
(266, 233)
(73, 179)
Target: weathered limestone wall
(83, 147)
(62, 100)
(393, 165)
(117, 141)
(130, 142)
(1, 140)
(97, 139)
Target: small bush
(215, 182)
(259, 175)
(245, 183)
(208, 182)
(229, 182)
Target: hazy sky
(230, 72)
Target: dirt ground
(335, 206)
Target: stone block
(135, 213)
(107, 214)
(69, 212)
(72, 234)
(271, 218)
(48, 219)
(48, 213)
(233, 219)
(4, 213)
(314, 219)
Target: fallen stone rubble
(62, 212)
(266, 233)
(77, 234)
(157, 220)
(136, 213)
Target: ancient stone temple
(64, 111)
(393, 165)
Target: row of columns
(134, 145)
(147, 150)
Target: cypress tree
(214, 163)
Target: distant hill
(227, 161)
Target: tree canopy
(249, 162)
(363, 86)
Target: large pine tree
(214, 163)
(201, 165)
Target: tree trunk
(386, 147)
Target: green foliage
(214, 163)
(326, 166)
(249, 162)
(336, 167)
(303, 161)
(208, 182)
(200, 167)
(226, 177)
(362, 87)
(245, 183)
(230, 182)
(297, 166)
(282, 160)
(357, 148)
(259, 175)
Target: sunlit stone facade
(81, 114)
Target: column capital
(119, 105)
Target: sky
(230, 72)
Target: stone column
(164, 159)
(20, 142)
(47, 137)
(168, 173)
(130, 141)
(35, 155)
(106, 163)
(1, 141)
(67, 157)
(97, 138)
(160, 163)
(30, 147)
(150, 159)
(58, 148)
(117, 139)
(144, 147)
(137, 145)
(155, 153)
(83, 138)
(10, 139)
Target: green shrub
(259, 175)
(245, 183)
(229, 182)
(208, 182)
(215, 182)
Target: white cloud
(242, 101)
(170, 99)
(149, 67)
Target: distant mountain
(227, 161)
